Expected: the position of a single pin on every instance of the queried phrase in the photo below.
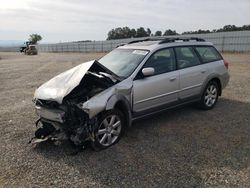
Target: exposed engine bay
(62, 117)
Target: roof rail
(184, 39)
(121, 44)
(147, 39)
(135, 41)
(163, 40)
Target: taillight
(226, 63)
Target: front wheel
(109, 130)
(210, 96)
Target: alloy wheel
(210, 95)
(109, 130)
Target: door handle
(172, 79)
(203, 71)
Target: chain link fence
(238, 41)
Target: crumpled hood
(61, 85)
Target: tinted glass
(162, 61)
(123, 62)
(186, 57)
(208, 53)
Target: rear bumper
(224, 80)
(50, 114)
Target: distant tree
(148, 31)
(126, 32)
(158, 33)
(112, 34)
(119, 33)
(226, 28)
(203, 31)
(200, 31)
(133, 32)
(34, 38)
(140, 32)
(170, 32)
(230, 28)
(233, 28)
(245, 27)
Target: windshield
(123, 62)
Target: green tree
(34, 38)
(245, 27)
(200, 31)
(158, 33)
(126, 32)
(230, 28)
(170, 32)
(121, 33)
(140, 32)
(148, 31)
(133, 32)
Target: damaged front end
(59, 103)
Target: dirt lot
(182, 148)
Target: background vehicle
(96, 100)
(26, 45)
(31, 50)
(28, 49)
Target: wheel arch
(120, 102)
(213, 78)
(217, 80)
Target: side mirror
(149, 71)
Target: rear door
(160, 88)
(192, 72)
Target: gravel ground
(181, 148)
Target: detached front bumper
(56, 115)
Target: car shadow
(182, 147)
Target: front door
(160, 88)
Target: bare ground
(181, 148)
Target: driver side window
(162, 61)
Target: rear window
(186, 57)
(208, 53)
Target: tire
(111, 125)
(210, 96)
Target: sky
(74, 20)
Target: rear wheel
(210, 96)
(110, 128)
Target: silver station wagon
(95, 101)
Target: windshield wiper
(111, 77)
(109, 71)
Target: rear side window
(186, 57)
(162, 61)
(208, 53)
